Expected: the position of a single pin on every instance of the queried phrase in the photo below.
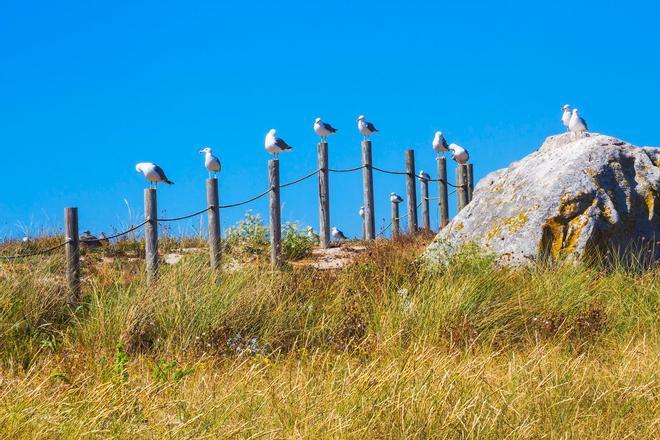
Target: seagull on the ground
(423, 175)
(89, 239)
(361, 211)
(275, 145)
(337, 234)
(365, 127)
(577, 124)
(323, 129)
(153, 173)
(211, 162)
(566, 116)
(395, 198)
(459, 154)
(439, 143)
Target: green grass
(386, 348)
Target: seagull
(361, 211)
(211, 162)
(153, 173)
(423, 175)
(275, 145)
(395, 198)
(577, 124)
(366, 128)
(459, 154)
(566, 116)
(439, 143)
(323, 129)
(89, 239)
(337, 234)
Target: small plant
(248, 235)
(120, 363)
(165, 371)
(296, 243)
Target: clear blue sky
(89, 88)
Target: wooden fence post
(426, 217)
(396, 229)
(470, 181)
(72, 252)
(443, 194)
(151, 234)
(324, 196)
(461, 186)
(275, 213)
(213, 203)
(411, 191)
(368, 191)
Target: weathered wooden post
(443, 194)
(151, 234)
(275, 213)
(470, 181)
(411, 191)
(368, 191)
(324, 196)
(426, 216)
(461, 186)
(72, 252)
(212, 204)
(396, 228)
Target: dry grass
(383, 349)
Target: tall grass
(386, 348)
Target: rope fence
(35, 253)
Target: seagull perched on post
(459, 154)
(275, 145)
(337, 234)
(423, 175)
(566, 116)
(395, 198)
(577, 124)
(211, 162)
(153, 173)
(365, 127)
(323, 129)
(440, 143)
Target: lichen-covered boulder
(570, 199)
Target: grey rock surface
(571, 198)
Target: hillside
(383, 348)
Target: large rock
(569, 199)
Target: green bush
(296, 243)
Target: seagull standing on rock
(577, 124)
(459, 154)
(365, 127)
(275, 145)
(440, 143)
(323, 129)
(211, 162)
(153, 173)
(337, 234)
(566, 116)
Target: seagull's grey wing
(371, 127)
(162, 175)
(329, 127)
(281, 144)
(584, 123)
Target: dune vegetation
(384, 348)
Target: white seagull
(577, 124)
(337, 234)
(566, 116)
(440, 143)
(423, 175)
(275, 145)
(365, 127)
(361, 211)
(323, 129)
(211, 162)
(459, 154)
(153, 173)
(395, 198)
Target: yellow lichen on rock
(516, 223)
